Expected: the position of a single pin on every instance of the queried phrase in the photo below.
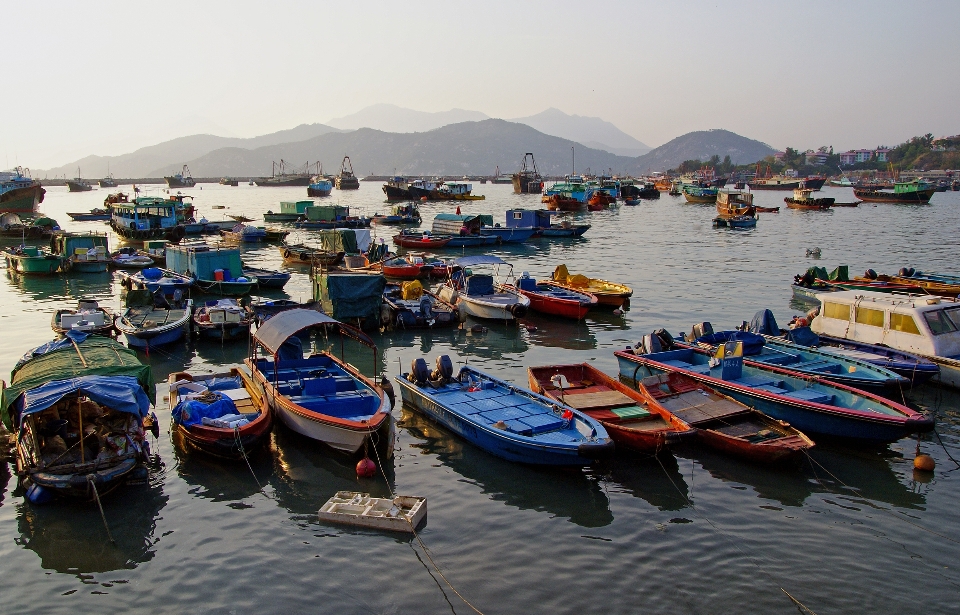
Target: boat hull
(879, 196)
(24, 200)
(511, 449)
(33, 265)
(227, 289)
(77, 486)
(156, 337)
(317, 192)
(222, 331)
(807, 417)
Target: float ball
(924, 462)
(366, 468)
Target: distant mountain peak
(594, 131)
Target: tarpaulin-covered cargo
(350, 296)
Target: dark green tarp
(339, 240)
(351, 296)
(102, 356)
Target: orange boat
(623, 412)
(608, 293)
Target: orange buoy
(924, 462)
(423, 198)
(366, 468)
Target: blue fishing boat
(735, 222)
(544, 224)
(505, 234)
(151, 320)
(811, 404)
(267, 278)
(406, 213)
(214, 270)
(503, 419)
(760, 352)
(913, 367)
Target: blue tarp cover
(803, 336)
(122, 393)
(764, 323)
(192, 411)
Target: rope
(753, 561)
(91, 480)
(857, 490)
(420, 541)
(236, 437)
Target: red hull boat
(623, 412)
(557, 202)
(599, 201)
(551, 299)
(403, 269)
(424, 242)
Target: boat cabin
(458, 188)
(524, 218)
(146, 213)
(295, 207)
(205, 263)
(81, 246)
(423, 184)
(325, 213)
(453, 224)
(923, 324)
(736, 199)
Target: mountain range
(467, 146)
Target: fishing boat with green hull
(913, 191)
(82, 252)
(77, 406)
(32, 260)
(212, 269)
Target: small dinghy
(223, 319)
(723, 423)
(411, 306)
(266, 278)
(403, 513)
(503, 419)
(130, 258)
(221, 414)
(155, 279)
(422, 240)
(87, 317)
(626, 414)
(305, 255)
(555, 300)
(151, 320)
(406, 269)
(480, 295)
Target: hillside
(167, 157)
(467, 148)
(590, 131)
(702, 144)
(391, 118)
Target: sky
(102, 77)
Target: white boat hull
(347, 440)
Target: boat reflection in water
(219, 480)
(306, 473)
(568, 494)
(71, 539)
(659, 483)
(562, 333)
(864, 474)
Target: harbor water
(849, 531)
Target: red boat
(623, 412)
(195, 399)
(404, 269)
(423, 241)
(554, 300)
(599, 201)
(562, 203)
(723, 423)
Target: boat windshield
(943, 321)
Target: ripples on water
(696, 533)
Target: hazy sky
(108, 77)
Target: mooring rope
(420, 541)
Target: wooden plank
(695, 407)
(601, 399)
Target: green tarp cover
(486, 220)
(339, 240)
(353, 296)
(840, 274)
(103, 357)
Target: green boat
(914, 191)
(32, 260)
(215, 270)
(82, 252)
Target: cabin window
(954, 315)
(840, 311)
(904, 323)
(517, 215)
(939, 322)
(869, 316)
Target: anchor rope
(420, 541)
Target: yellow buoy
(924, 462)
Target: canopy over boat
(273, 333)
(74, 357)
(121, 393)
(480, 259)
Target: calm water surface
(853, 531)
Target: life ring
(133, 225)
(287, 253)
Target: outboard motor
(419, 373)
(426, 306)
(444, 372)
(665, 339)
(650, 343)
(870, 274)
(518, 310)
(700, 329)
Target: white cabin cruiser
(482, 295)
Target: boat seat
(755, 382)
(631, 412)
(772, 388)
(484, 405)
(697, 369)
(811, 396)
(478, 285)
(503, 414)
(527, 284)
(818, 366)
(780, 358)
(319, 386)
(289, 389)
(532, 409)
(540, 423)
(519, 428)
